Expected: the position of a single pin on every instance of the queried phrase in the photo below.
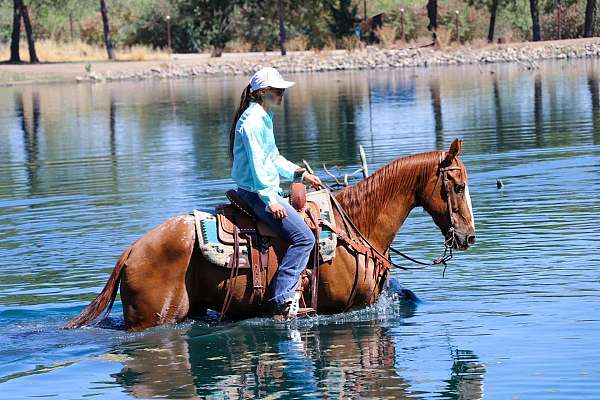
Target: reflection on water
(86, 169)
(354, 359)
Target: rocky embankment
(369, 58)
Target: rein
(448, 242)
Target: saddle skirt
(215, 231)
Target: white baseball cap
(268, 77)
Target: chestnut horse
(164, 277)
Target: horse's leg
(153, 287)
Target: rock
(370, 57)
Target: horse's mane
(365, 199)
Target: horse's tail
(104, 299)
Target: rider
(256, 168)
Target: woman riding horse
(256, 168)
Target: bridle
(443, 168)
(450, 240)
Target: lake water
(87, 169)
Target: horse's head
(446, 198)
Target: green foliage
(150, 28)
(257, 22)
(518, 14)
(571, 20)
(210, 24)
(207, 23)
(6, 20)
(343, 17)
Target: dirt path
(69, 72)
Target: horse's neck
(379, 204)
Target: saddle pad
(212, 249)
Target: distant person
(256, 168)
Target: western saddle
(237, 225)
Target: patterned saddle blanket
(213, 230)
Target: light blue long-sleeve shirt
(257, 163)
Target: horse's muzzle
(460, 241)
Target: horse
(165, 279)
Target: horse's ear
(454, 151)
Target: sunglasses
(278, 91)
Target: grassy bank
(53, 51)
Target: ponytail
(247, 96)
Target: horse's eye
(459, 188)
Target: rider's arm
(285, 167)
(256, 160)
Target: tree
(492, 28)
(33, 58)
(343, 18)
(282, 35)
(590, 18)
(535, 19)
(16, 34)
(20, 11)
(106, 29)
(432, 15)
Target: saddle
(239, 214)
(237, 225)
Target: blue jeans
(293, 229)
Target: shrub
(298, 43)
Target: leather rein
(360, 247)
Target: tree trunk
(432, 15)
(16, 33)
(282, 35)
(590, 18)
(535, 19)
(33, 58)
(106, 26)
(71, 25)
(493, 11)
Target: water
(87, 169)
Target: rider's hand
(278, 211)
(313, 180)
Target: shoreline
(182, 66)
